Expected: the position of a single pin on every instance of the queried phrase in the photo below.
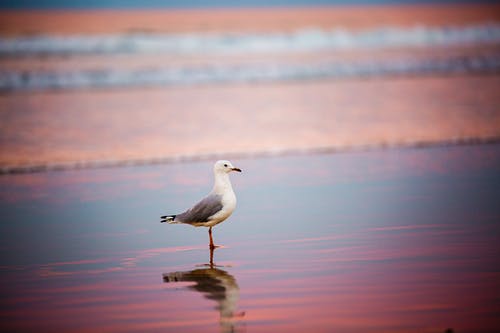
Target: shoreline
(271, 153)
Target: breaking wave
(35, 80)
(302, 40)
(273, 68)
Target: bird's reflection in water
(214, 284)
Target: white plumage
(216, 207)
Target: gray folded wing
(202, 211)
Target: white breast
(228, 206)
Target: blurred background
(87, 84)
(367, 240)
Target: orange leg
(212, 246)
(212, 257)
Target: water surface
(384, 241)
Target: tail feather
(168, 219)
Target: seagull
(217, 206)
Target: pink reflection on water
(107, 184)
(384, 279)
(382, 276)
(112, 264)
(98, 185)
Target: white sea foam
(304, 40)
(273, 68)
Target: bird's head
(224, 166)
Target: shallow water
(383, 241)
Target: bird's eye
(225, 165)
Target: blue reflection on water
(92, 213)
(409, 232)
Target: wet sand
(176, 122)
(386, 241)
